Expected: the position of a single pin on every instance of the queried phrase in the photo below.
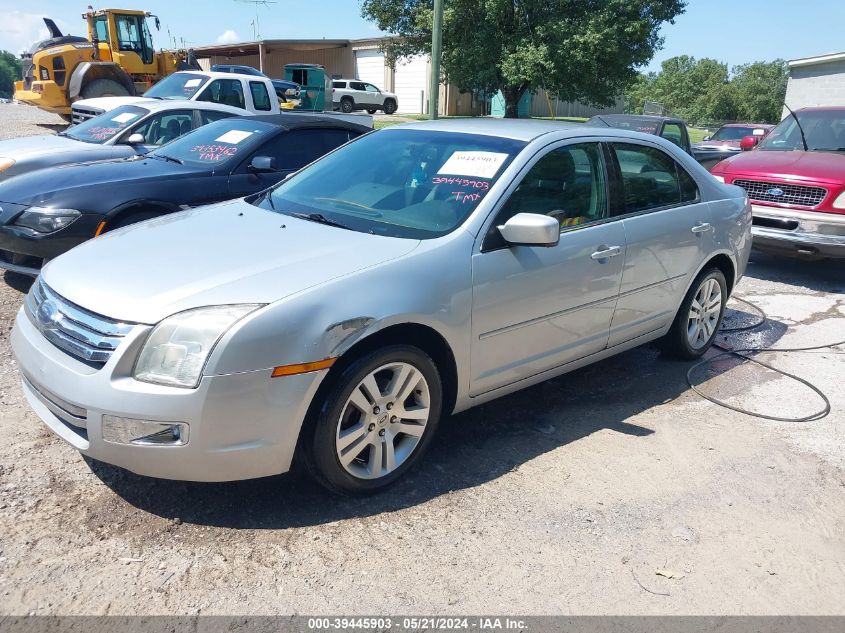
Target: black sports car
(49, 211)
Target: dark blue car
(47, 212)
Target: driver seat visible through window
(567, 184)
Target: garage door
(410, 82)
(369, 67)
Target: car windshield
(824, 131)
(216, 143)
(106, 126)
(401, 183)
(627, 123)
(177, 86)
(735, 133)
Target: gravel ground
(614, 489)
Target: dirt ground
(614, 489)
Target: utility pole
(436, 50)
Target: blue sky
(734, 31)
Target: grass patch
(696, 135)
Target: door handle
(701, 227)
(604, 253)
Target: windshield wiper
(828, 149)
(800, 129)
(168, 158)
(320, 219)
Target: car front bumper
(807, 234)
(241, 426)
(24, 251)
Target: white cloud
(228, 37)
(19, 30)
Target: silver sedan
(415, 272)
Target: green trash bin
(497, 106)
(316, 86)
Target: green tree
(760, 90)
(578, 50)
(10, 72)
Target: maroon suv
(795, 179)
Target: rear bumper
(807, 234)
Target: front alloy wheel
(376, 421)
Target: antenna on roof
(256, 24)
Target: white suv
(352, 94)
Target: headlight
(719, 178)
(5, 163)
(46, 220)
(839, 203)
(178, 347)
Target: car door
(162, 128)
(537, 308)
(358, 90)
(373, 95)
(290, 151)
(668, 233)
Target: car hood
(826, 167)
(47, 187)
(33, 146)
(227, 253)
(110, 103)
(723, 145)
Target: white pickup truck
(249, 92)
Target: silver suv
(352, 94)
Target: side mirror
(262, 164)
(706, 138)
(531, 229)
(748, 143)
(136, 139)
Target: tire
(372, 110)
(389, 106)
(347, 105)
(346, 447)
(693, 331)
(103, 88)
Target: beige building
(408, 78)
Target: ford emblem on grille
(775, 192)
(48, 315)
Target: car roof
(635, 117)
(764, 125)
(518, 129)
(157, 105)
(214, 74)
(291, 121)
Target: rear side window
(651, 179)
(226, 91)
(297, 148)
(210, 116)
(260, 96)
(340, 85)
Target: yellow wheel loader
(117, 59)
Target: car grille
(790, 194)
(84, 335)
(80, 113)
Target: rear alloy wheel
(389, 106)
(347, 105)
(699, 317)
(377, 420)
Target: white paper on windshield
(192, 83)
(759, 132)
(233, 137)
(126, 116)
(477, 164)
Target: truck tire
(103, 88)
(347, 105)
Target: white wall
(409, 80)
(369, 66)
(816, 85)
